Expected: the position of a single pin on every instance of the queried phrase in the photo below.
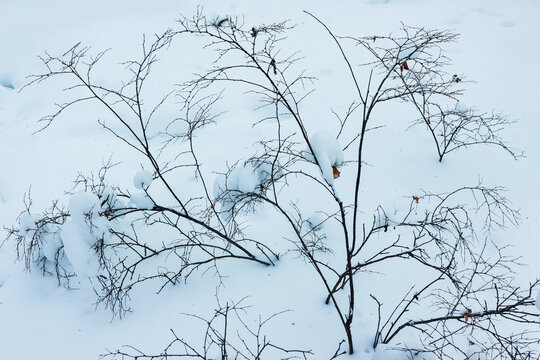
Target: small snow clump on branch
(143, 179)
(141, 201)
(328, 152)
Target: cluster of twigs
(226, 336)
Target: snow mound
(7, 84)
(143, 179)
(244, 179)
(46, 235)
(250, 178)
(461, 108)
(78, 248)
(83, 204)
(141, 201)
(27, 224)
(81, 232)
(328, 152)
(109, 198)
(50, 245)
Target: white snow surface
(41, 320)
(316, 221)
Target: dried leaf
(416, 198)
(404, 66)
(467, 314)
(335, 171)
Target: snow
(316, 221)
(46, 321)
(143, 179)
(109, 198)
(51, 244)
(141, 201)
(461, 107)
(27, 224)
(7, 84)
(78, 242)
(244, 178)
(81, 232)
(328, 152)
(83, 204)
(3, 193)
(242, 182)
(408, 51)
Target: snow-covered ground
(498, 48)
